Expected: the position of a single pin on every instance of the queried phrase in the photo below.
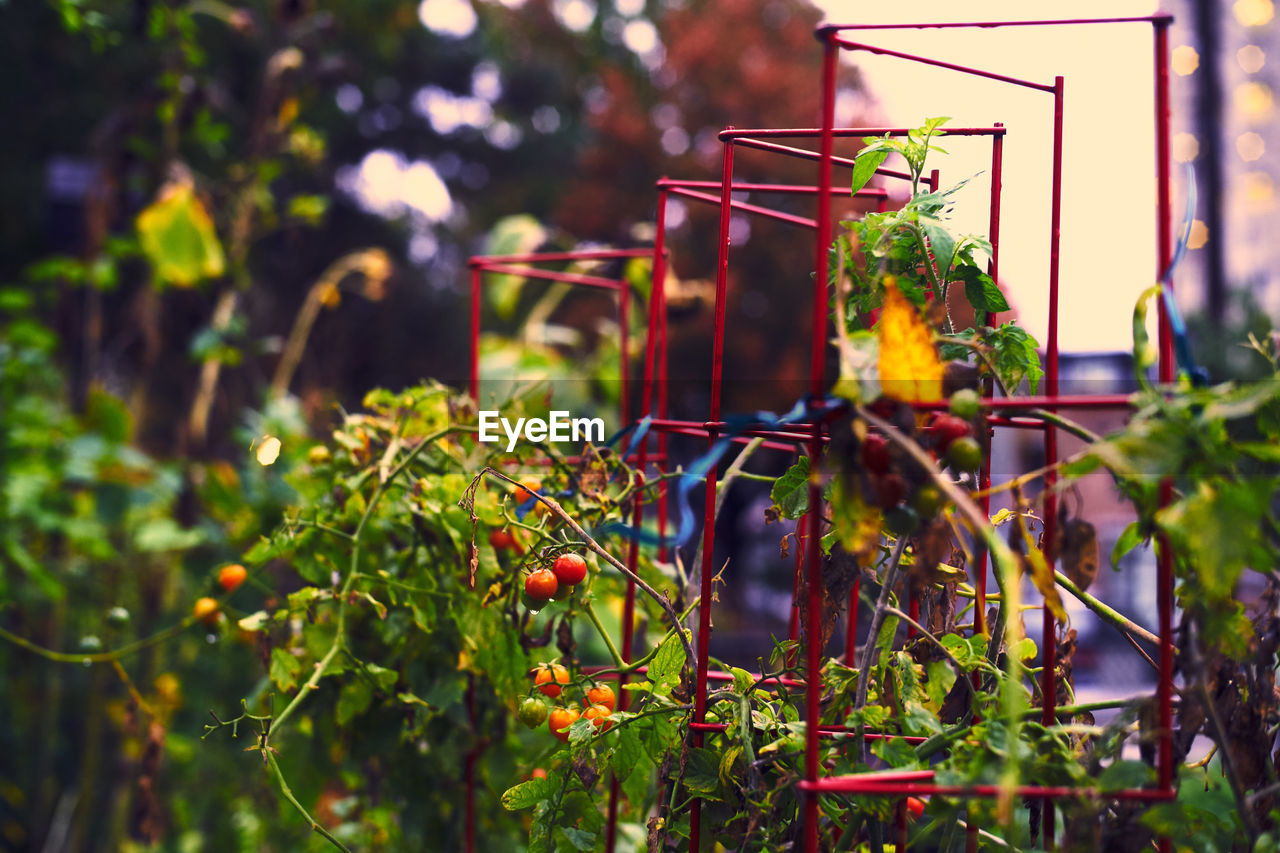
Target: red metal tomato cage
(811, 437)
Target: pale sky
(1108, 212)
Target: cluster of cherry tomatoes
(230, 577)
(598, 703)
(904, 492)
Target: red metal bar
(766, 212)
(1044, 401)
(817, 365)
(846, 785)
(793, 624)
(1164, 565)
(709, 509)
(557, 257)
(826, 731)
(1049, 651)
(845, 132)
(1157, 18)
(993, 227)
(554, 275)
(851, 624)
(747, 186)
(938, 63)
(657, 304)
(624, 348)
(475, 333)
(804, 154)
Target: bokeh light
(1251, 58)
(1185, 147)
(1254, 13)
(1250, 146)
(1185, 59)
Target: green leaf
(580, 840)
(627, 752)
(285, 669)
(943, 246)
(353, 699)
(528, 794)
(1218, 528)
(636, 785)
(942, 677)
(790, 492)
(385, 678)
(164, 534)
(512, 235)
(667, 662)
(1128, 540)
(1126, 774)
(702, 773)
(981, 291)
(868, 160)
(178, 237)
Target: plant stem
(1112, 617)
(599, 550)
(98, 657)
(873, 632)
(288, 795)
(604, 635)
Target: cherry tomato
(525, 491)
(965, 404)
(541, 585)
(964, 454)
(901, 521)
(915, 807)
(947, 428)
(530, 603)
(230, 577)
(599, 717)
(569, 569)
(890, 490)
(560, 720)
(206, 610)
(319, 455)
(875, 454)
(927, 500)
(505, 540)
(549, 677)
(601, 694)
(533, 712)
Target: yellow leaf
(178, 237)
(268, 450)
(909, 365)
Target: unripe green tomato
(531, 604)
(1266, 843)
(927, 500)
(901, 521)
(563, 593)
(533, 712)
(117, 617)
(965, 403)
(90, 643)
(964, 454)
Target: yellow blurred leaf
(178, 237)
(268, 450)
(909, 367)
